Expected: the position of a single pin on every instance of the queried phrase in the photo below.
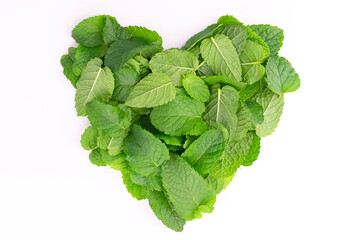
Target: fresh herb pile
(177, 123)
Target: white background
(305, 184)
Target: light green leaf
(243, 125)
(175, 63)
(248, 91)
(196, 88)
(230, 20)
(170, 140)
(122, 50)
(223, 106)
(219, 184)
(272, 35)
(67, 63)
(113, 145)
(254, 149)
(145, 152)
(221, 56)
(89, 138)
(165, 212)
(113, 161)
(200, 36)
(281, 76)
(254, 111)
(251, 58)
(95, 158)
(113, 31)
(125, 80)
(139, 64)
(108, 118)
(273, 106)
(203, 154)
(211, 80)
(204, 70)
(237, 34)
(186, 189)
(154, 90)
(137, 191)
(95, 83)
(151, 36)
(83, 56)
(153, 183)
(89, 32)
(179, 117)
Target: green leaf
(151, 36)
(113, 145)
(211, 80)
(89, 138)
(281, 76)
(95, 158)
(221, 56)
(254, 111)
(67, 63)
(146, 152)
(95, 83)
(254, 149)
(179, 117)
(223, 106)
(196, 88)
(154, 90)
(164, 211)
(251, 58)
(237, 34)
(249, 91)
(175, 63)
(200, 36)
(137, 191)
(125, 80)
(273, 106)
(203, 154)
(113, 161)
(108, 118)
(170, 140)
(243, 125)
(252, 36)
(153, 183)
(89, 32)
(83, 56)
(72, 53)
(113, 31)
(186, 189)
(273, 36)
(139, 64)
(218, 184)
(204, 70)
(122, 50)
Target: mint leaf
(196, 88)
(151, 36)
(221, 56)
(223, 106)
(154, 90)
(89, 138)
(211, 80)
(272, 35)
(67, 63)
(113, 31)
(281, 76)
(254, 149)
(186, 189)
(113, 161)
(204, 152)
(237, 34)
(218, 184)
(125, 80)
(174, 63)
(248, 91)
(164, 211)
(89, 32)
(254, 111)
(170, 140)
(95, 158)
(273, 106)
(122, 50)
(179, 117)
(113, 145)
(107, 118)
(145, 152)
(95, 83)
(83, 56)
(251, 58)
(200, 36)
